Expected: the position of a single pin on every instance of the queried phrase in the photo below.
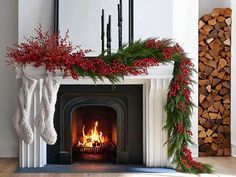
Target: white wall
(8, 83)
(153, 18)
(206, 6)
(32, 13)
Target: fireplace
(98, 124)
(137, 101)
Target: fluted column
(155, 117)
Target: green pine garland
(177, 141)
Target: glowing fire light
(93, 138)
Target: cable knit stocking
(44, 119)
(21, 117)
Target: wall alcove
(215, 83)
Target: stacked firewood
(214, 83)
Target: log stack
(214, 83)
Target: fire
(93, 138)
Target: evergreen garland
(54, 52)
(179, 105)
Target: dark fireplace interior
(98, 124)
(94, 137)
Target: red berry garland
(54, 52)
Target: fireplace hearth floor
(95, 168)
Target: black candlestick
(110, 31)
(120, 19)
(102, 30)
(109, 36)
(118, 8)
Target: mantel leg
(35, 154)
(154, 118)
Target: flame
(93, 137)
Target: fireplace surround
(154, 92)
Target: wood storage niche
(214, 83)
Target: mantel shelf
(161, 71)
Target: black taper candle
(120, 24)
(119, 36)
(107, 31)
(109, 36)
(118, 8)
(121, 7)
(110, 31)
(102, 30)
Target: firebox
(94, 134)
(99, 123)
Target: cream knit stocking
(44, 119)
(21, 117)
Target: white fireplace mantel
(155, 87)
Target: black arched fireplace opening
(98, 124)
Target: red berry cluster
(174, 89)
(143, 64)
(182, 80)
(188, 161)
(154, 44)
(181, 106)
(184, 67)
(184, 71)
(168, 52)
(187, 93)
(49, 50)
(179, 128)
(102, 68)
(178, 48)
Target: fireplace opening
(94, 134)
(98, 124)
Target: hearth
(98, 124)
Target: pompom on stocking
(21, 117)
(44, 119)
